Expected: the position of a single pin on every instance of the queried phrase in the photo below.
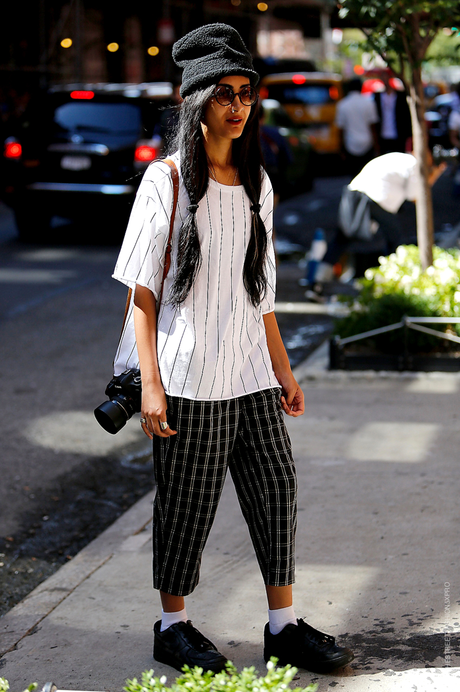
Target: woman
(212, 360)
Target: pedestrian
(215, 374)
(356, 118)
(370, 203)
(394, 127)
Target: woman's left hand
(292, 398)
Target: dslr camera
(124, 392)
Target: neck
(218, 150)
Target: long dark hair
(247, 156)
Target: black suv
(79, 152)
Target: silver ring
(143, 420)
(163, 424)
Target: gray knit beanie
(209, 53)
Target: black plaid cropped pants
(247, 435)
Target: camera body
(125, 393)
(441, 154)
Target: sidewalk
(377, 555)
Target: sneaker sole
(170, 660)
(327, 667)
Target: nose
(236, 104)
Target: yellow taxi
(310, 100)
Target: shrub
(196, 680)
(4, 686)
(399, 287)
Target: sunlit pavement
(377, 556)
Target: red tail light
(145, 153)
(13, 150)
(263, 93)
(299, 79)
(84, 95)
(334, 93)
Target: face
(227, 121)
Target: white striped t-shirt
(213, 346)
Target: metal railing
(415, 323)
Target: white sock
(278, 619)
(168, 619)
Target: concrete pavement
(377, 555)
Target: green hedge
(196, 680)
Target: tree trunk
(424, 201)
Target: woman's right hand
(153, 412)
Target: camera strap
(175, 182)
(167, 262)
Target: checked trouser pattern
(247, 435)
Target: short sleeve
(266, 214)
(142, 253)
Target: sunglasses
(225, 95)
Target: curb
(126, 533)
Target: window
(302, 94)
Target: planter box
(343, 356)
(343, 359)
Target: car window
(302, 94)
(110, 118)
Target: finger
(162, 429)
(295, 408)
(145, 428)
(285, 406)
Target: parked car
(309, 99)
(79, 152)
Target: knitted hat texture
(209, 53)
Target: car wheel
(33, 225)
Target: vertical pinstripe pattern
(248, 436)
(214, 345)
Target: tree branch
(380, 52)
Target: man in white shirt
(389, 180)
(356, 117)
(386, 183)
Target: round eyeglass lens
(248, 96)
(225, 95)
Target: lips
(234, 121)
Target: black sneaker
(304, 647)
(182, 644)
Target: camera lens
(111, 415)
(124, 392)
